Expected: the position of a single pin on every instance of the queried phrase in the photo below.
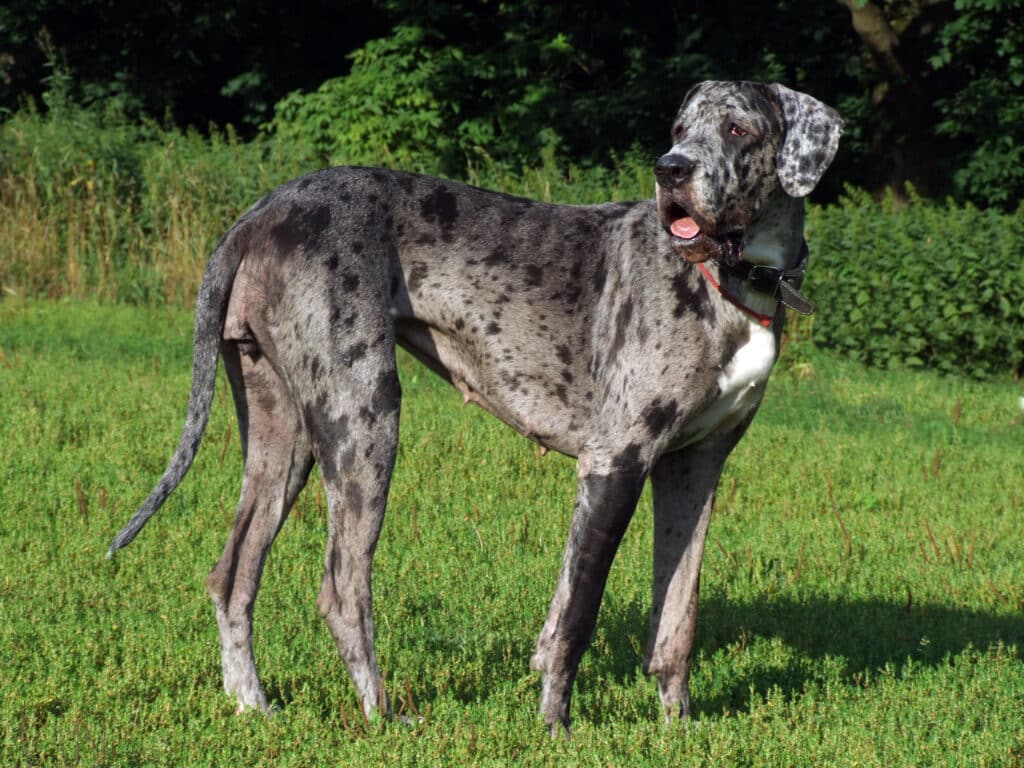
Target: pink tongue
(685, 228)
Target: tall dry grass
(93, 207)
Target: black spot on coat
(387, 396)
(534, 275)
(628, 459)
(690, 297)
(622, 321)
(350, 281)
(441, 208)
(300, 228)
(658, 416)
(355, 352)
(329, 435)
(417, 275)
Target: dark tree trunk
(902, 146)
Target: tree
(946, 95)
(931, 90)
(201, 61)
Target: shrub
(387, 110)
(93, 206)
(919, 284)
(67, 180)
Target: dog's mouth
(694, 239)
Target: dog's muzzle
(693, 237)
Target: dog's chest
(740, 382)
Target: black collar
(781, 284)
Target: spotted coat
(588, 329)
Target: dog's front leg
(605, 501)
(683, 488)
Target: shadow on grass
(864, 635)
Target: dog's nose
(672, 168)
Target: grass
(862, 603)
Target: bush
(387, 111)
(67, 181)
(919, 284)
(93, 206)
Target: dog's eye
(735, 130)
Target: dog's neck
(774, 240)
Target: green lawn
(863, 587)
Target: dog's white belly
(740, 383)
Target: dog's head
(736, 146)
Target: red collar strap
(781, 284)
(764, 320)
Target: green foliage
(919, 284)
(71, 147)
(69, 186)
(392, 108)
(411, 100)
(201, 61)
(470, 82)
(931, 91)
(898, 644)
(940, 105)
(92, 205)
(982, 50)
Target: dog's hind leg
(355, 436)
(278, 459)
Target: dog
(637, 337)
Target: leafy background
(932, 90)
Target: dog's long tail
(211, 308)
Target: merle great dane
(636, 337)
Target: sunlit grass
(862, 594)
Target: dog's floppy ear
(812, 138)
